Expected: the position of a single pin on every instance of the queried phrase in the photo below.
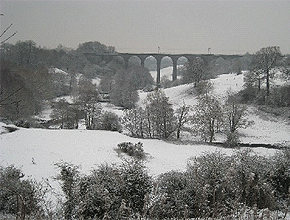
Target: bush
(134, 150)
(109, 191)
(281, 174)
(214, 186)
(168, 198)
(69, 177)
(100, 194)
(137, 184)
(218, 184)
(17, 196)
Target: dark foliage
(110, 122)
(134, 150)
(110, 191)
(18, 196)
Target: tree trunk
(268, 83)
(259, 84)
(178, 133)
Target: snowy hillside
(36, 151)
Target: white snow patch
(167, 72)
(57, 70)
(96, 81)
(227, 83)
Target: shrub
(280, 177)
(250, 179)
(69, 176)
(137, 184)
(134, 150)
(17, 196)
(218, 184)
(168, 199)
(214, 186)
(207, 177)
(109, 191)
(100, 194)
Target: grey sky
(177, 26)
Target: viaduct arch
(159, 56)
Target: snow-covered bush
(213, 186)
(100, 193)
(219, 185)
(134, 150)
(249, 174)
(68, 177)
(20, 197)
(280, 178)
(208, 184)
(109, 191)
(168, 198)
(137, 183)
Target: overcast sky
(177, 26)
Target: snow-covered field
(36, 151)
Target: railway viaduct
(159, 56)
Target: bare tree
(196, 70)
(161, 120)
(182, 115)
(207, 116)
(265, 60)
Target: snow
(90, 148)
(36, 151)
(266, 129)
(227, 83)
(96, 81)
(57, 70)
(165, 72)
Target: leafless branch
(6, 30)
(8, 37)
(10, 95)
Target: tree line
(29, 78)
(26, 79)
(158, 119)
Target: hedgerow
(214, 185)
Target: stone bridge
(159, 56)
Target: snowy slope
(36, 150)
